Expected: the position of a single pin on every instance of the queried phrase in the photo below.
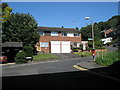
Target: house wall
(59, 38)
(47, 38)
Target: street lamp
(87, 18)
(93, 50)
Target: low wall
(100, 50)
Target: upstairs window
(54, 33)
(41, 33)
(76, 34)
(64, 34)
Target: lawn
(44, 56)
(108, 58)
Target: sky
(66, 14)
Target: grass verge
(44, 56)
(108, 58)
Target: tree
(86, 32)
(20, 28)
(97, 32)
(104, 25)
(5, 12)
(114, 21)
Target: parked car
(116, 44)
(3, 59)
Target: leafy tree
(97, 32)
(86, 32)
(5, 12)
(20, 28)
(114, 21)
(104, 25)
(77, 28)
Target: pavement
(111, 72)
(89, 64)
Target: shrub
(75, 50)
(84, 54)
(28, 50)
(20, 57)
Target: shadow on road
(76, 79)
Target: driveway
(54, 66)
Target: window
(76, 44)
(54, 33)
(76, 34)
(64, 34)
(41, 33)
(43, 44)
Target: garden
(27, 54)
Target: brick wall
(57, 38)
(45, 49)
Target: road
(112, 49)
(53, 74)
(41, 67)
(63, 65)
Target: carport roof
(58, 29)
(12, 44)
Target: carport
(10, 49)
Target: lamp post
(87, 18)
(93, 44)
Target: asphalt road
(53, 66)
(53, 74)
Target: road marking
(80, 68)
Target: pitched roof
(58, 29)
(108, 31)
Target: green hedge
(84, 54)
(28, 50)
(20, 57)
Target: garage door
(65, 48)
(55, 47)
(60, 46)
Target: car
(116, 44)
(3, 59)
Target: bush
(20, 57)
(75, 50)
(84, 54)
(28, 50)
